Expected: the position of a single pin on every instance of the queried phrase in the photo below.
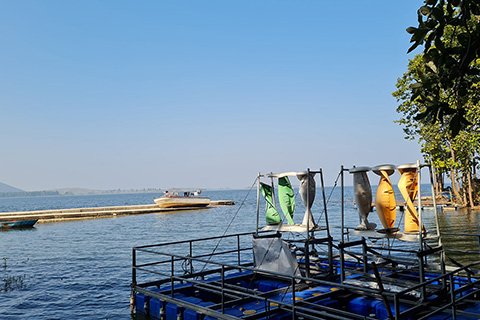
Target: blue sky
(159, 94)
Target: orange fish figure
(385, 197)
(408, 186)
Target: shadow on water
(465, 223)
(18, 229)
(139, 316)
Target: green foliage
(449, 30)
(449, 154)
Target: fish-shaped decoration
(408, 186)
(271, 214)
(363, 196)
(286, 198)
(307, 192)
(385, 197)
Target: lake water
(82, 269)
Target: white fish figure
(363, 196)
(307, 190)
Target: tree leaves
(449, 137)
(450, 33)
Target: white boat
(182, 199)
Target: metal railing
(162, 270)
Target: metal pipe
(330, 250)
(309, 213)
(307, 242)
(238, 248)
(452, 296)
(420, 225)
(342, 263)
(134, 281)
(324, 202)
(381, 289)
(421, 257)
(191, 255)
(273, 190)
(172, 275)
(223, 288)
(433, 182)
(396, 305)
(258, 203)
(365, 255)
(134, 267)
(343, 204)
(293, 299)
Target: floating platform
(191, 286)
(306, 274)
(44, 216)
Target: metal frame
(161, 271)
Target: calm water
(81, 269)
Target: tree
(450, 33)
(452, 155)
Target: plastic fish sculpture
(363, 196)
(307, 192)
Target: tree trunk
(440, 183)
(454, 177)
(470, 192)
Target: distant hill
(77, 191)
(82, 191)
(4, 188)
(7, 191)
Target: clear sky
(159, 94)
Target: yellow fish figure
(385, 197)
(408, 186)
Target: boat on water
(177, 199)
(312, 269)
(9, 224)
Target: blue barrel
(140, 300)
(172, 310)
(269, 285)
(194, 315)
(233, 312)
(329, 302)
(473, 309)
(381, 312)
(361, 306)
(156, 306)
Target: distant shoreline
(90, 192)
(55, 193)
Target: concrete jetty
(58, 215)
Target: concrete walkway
(44, 216)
